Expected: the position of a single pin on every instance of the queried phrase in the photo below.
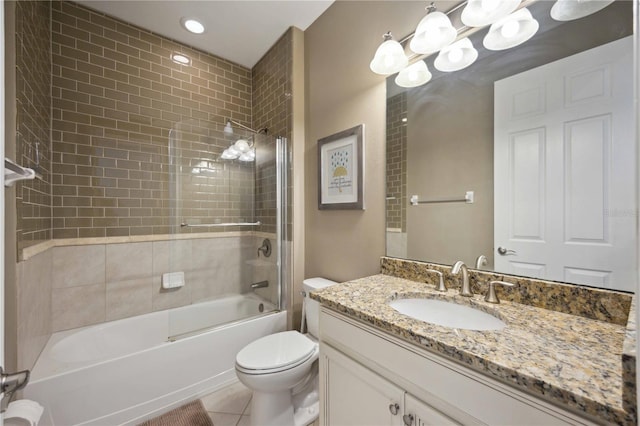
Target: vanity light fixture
(478, 13)
(414, 75)
(511, 31)
(389, 57)
(568, 10)
(456, 56)
(242, 150)
(192, 25)
(181, 59)
(434, 32)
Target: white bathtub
(126, 371)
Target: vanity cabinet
(369, 377)
(359, 396)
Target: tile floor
(231, 406)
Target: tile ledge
(34, 250)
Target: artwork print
(340, 159)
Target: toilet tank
(312, 308)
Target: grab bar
(216, 225)
(468, 198)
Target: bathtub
(126, 371)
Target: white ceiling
(241, 31)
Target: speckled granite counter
(567, 359)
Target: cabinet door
(420, 414)
(355, 395)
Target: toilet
(282, 369)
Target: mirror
(553, 192)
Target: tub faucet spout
(465, 289)
(260, 284)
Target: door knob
(503, 251)
(394, 408)
(408, 419)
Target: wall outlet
(173, 280)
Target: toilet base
(272, 409)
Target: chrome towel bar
(216, 225)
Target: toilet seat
(276, 352)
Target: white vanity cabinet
(369, 377)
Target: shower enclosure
(227, 197)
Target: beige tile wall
(116, 95)
(33, 119)
(34, 307)
(103, 282)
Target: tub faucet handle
(441, 286)
(491, 296)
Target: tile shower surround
(397, 162)
(110, 174)
(116, 95)
(33, 118)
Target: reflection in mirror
(543, 134)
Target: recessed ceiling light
(180, 59)
(192, 26)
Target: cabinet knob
(394, 408)
(408, 419)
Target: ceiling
(241, 31)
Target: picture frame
(340, 170)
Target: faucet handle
(491, 296)
(481, 261)
(441, 286)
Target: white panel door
(564, 170)
(2, 124)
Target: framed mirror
(527, 156)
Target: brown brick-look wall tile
(116, 96)
(271, 109)
(33, 115)
(397, 162)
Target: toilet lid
(275, 351)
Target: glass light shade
(389, 58)
(242, 145)
(456, 56)
(414, 75)
(226, 155)
(433, 33)
(478, 13)
(511, 31)
(228, 130)
(568, 10)
(248, 156)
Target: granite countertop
(566, 359)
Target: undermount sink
(447, 314)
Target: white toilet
(282, 371)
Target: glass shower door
(225, 246)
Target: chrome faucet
(465, 290)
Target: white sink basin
(447, 314)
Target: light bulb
(489, 5)
(193, 26)
(510, 28)
(455, 55)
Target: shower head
(228, 129)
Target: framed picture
(340, 170)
